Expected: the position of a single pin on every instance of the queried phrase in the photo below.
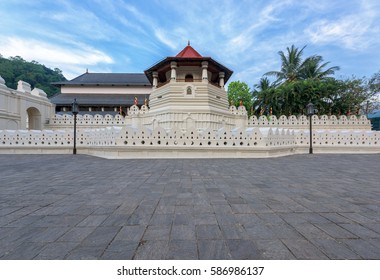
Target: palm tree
(294, 68)
(263, 84)
(291, 65)
(313, 68)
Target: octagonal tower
(188, 91)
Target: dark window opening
(189, 78)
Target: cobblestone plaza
(297, 207)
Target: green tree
(314, 68)
(298, 82)
(373, 94)
(294, 67)
(37, 75)
(291, 65)
(239, 91)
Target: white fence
(322, 122)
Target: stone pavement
(296, 207)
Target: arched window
(188, 90)
(189, 78)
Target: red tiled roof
(188, 52)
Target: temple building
(178, 108)
(102, 93)
(186, 90)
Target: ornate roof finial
(86, 70)
(188, 42)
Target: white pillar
(204, 72)
(221, 79)
(155, 79)
(173, 76)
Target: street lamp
(310, 112)
(75, 111)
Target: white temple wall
(129, 142)
(175, 96)
(322, 122)
(24, 108)
(106, 90)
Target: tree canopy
(37, 75)
(301, 81)
(239, 91)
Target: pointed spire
(188, 52)
(188, 42)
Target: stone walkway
(296, 207)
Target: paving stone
(205, 219)
(243, 250)
(284, 231)
(76, 234)
(24, 251)
(360, 231)
(165, 209)
(181, 209)
(358, 218)
(241, 209)
(131, 233)
(236, 231)
(202, 208)
(49, 235)
(182, 250)
(152, 250)
(24, 221)
(336, 250)
(213, 250)
(336, 218)
(56, 250)
(92, 221)
(363, 248)
(222, 209)
(374, 227)
(116, 220)
(248, 220)
(120, 250)
(182, 232)
(273, 249)
(271, 218)
(183, 219)
(83, 252)
(259, 232)
(311, 231)
(263, 201)
(208, 232)
(161, 219)
(101, 236)
(134, 219)
(157, 233)
(302, 218)
(302, 249)
(335, 231)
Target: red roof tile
(188, 52)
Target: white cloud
(70, 58)
(348, 32)
(354, 31)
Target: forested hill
(37, 75)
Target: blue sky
(244, 35)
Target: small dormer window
(188, 90)
(189, 78)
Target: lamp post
(75, 111)
(310, 112)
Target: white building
(24, 108)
